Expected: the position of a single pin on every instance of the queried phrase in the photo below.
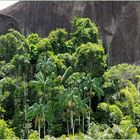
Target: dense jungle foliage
(60, 87)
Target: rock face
(119, 22)
(42, 17)
(125, 45)
(7, 22)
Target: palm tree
(40, 81)
(71, 101)
(92, 87)
(38, 111)
(46, 65)
(67, 73)
(43, 83)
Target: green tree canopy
(57, 40)
(84, 31)
(10, 44)
(91, 58)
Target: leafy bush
(5, 131)
(112, 113)
(117, 76)
(33, 136)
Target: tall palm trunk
(25, 107)
(89, 113)
(44, 131)
(72, 124)
(39, 128)
(79, 120)
(83, 124)
(48, 128)
(68, 127)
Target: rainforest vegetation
(61, 87)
